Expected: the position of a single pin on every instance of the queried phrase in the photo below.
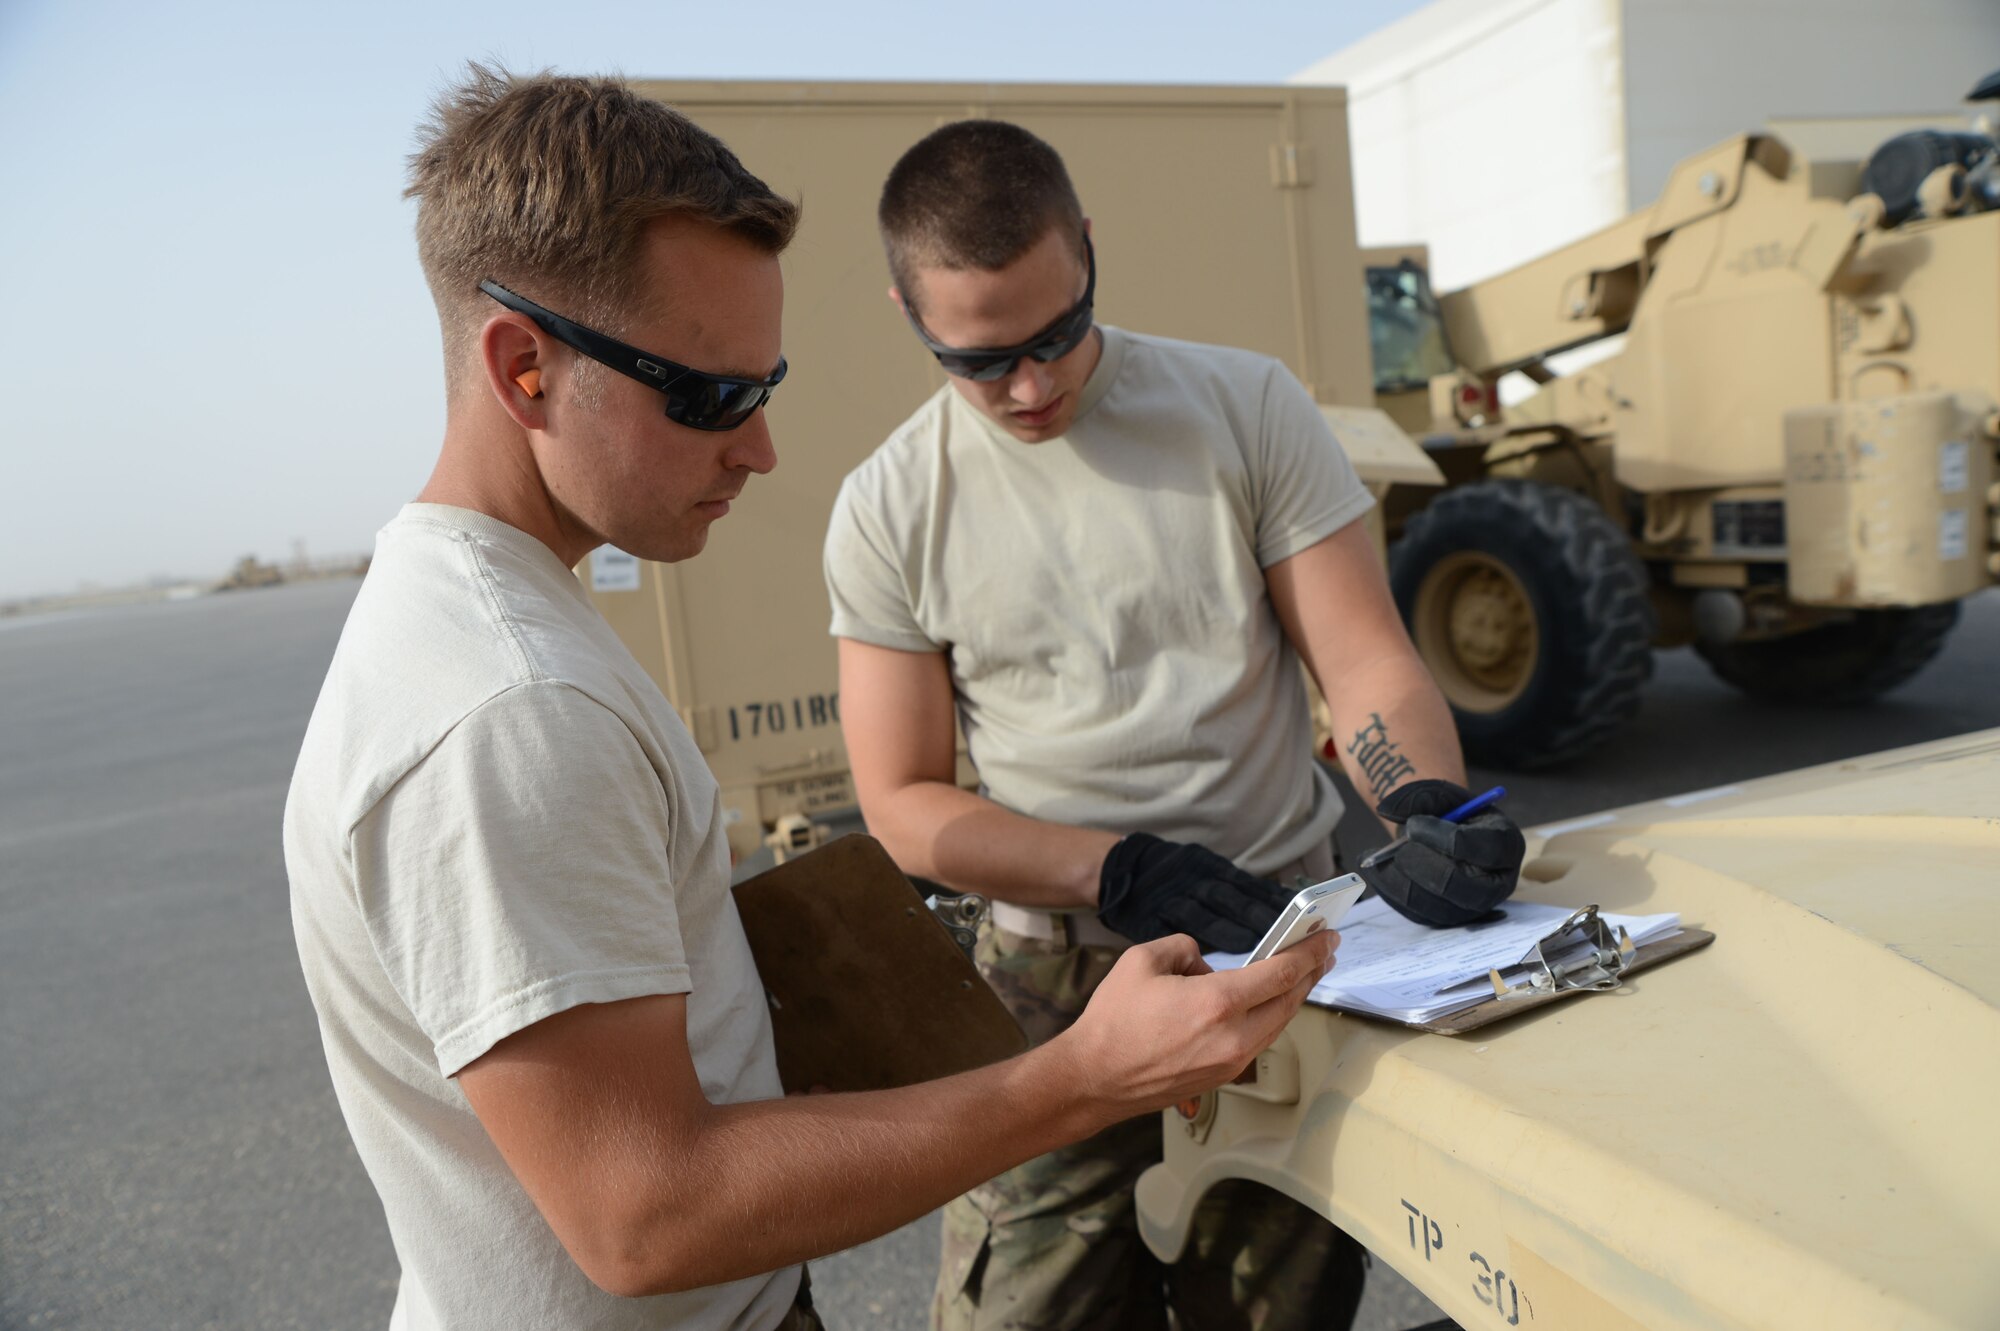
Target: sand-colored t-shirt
(1100, 596)
(495, 817)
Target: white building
(1496, 130)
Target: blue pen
(1458, 815)
(1475, 804)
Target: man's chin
(687, 545)
(671, 548)
(1055, 427)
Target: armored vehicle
(1788, 463)
(1792, 1127)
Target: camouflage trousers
(1054, 1244)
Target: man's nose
(1030, 383)
(750, 446)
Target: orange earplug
(530, 381)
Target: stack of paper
(1391, 967)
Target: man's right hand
(603, 1120)
(1444, 874)
(1162, 1026)
(1149, 888)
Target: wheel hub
(1488, 620)
(1475, 627)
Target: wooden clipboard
(867, 990)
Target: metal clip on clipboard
(960, 915)
(1584, 953)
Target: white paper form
(1399, 968)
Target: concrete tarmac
(171, 1155)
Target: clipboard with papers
(1525, 955)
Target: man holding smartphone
(1105, 554)
(509, 872)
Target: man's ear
(896, 299)
(511, 353)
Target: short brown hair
(974, 194)
(545, 183)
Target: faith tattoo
(1380, 758)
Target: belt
(1080, 928)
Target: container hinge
(1291, 165)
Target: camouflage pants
(1054, 1244)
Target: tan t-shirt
(1100, 596)
(495, 817)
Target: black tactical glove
(1445, 874)
(1149, 888)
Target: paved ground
(170, 1151)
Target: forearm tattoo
(1380, 758)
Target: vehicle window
(1405, 329)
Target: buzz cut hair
(974, 194)
(546, 183)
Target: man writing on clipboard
(1106, 554)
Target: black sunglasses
(985, 364)
(695, 398)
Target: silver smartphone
(1313, 909)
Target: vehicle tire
(1849, 662)
(1531, 610)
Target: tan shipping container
(1220, 215)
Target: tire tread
(1616, 652)
(1880, 649)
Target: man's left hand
(1149, 888)
(1444, 874)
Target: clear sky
(214, 337)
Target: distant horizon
(211, 195)
(320, 565)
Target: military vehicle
(1787, 1128)
(1789, 463)
(1221, 215)
(1792, 1127)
